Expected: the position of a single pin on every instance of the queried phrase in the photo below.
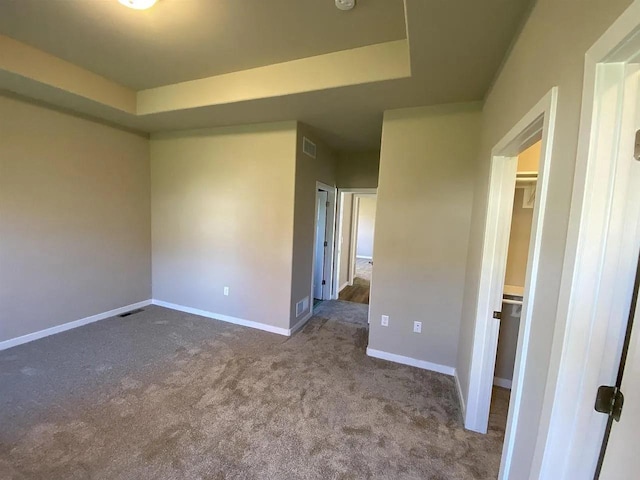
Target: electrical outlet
(417, 327)
(385, 321)
(226, 291)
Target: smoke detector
(345, 4)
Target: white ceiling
(179, 40)
(456, 48)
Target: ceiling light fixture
(345, 4)
(138, 4)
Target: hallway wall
(422, 230)
(366, 226)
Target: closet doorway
(355, 252)
(513, 297)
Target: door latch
(636, 150)
(497, 315)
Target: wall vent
(132, 312)
(308, 147)
(302, 306)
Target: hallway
(360, 290)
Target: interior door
(620, 459)
(320, 247)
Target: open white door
(320, 244)
(619, 454)
(619, 459)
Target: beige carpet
(166, 395)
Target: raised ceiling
(179, 40)
(348, 68)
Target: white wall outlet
(417, 327)
(385, 321)
(226, 291)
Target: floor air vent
(302, 306)
(132, 312)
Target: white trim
(343, 286)
(362, 191)
(364, 257)
(600, 258)
(413, 362)
(463, 406)
(30, 337)
(301, 323)
(225, 318)
(502, 382)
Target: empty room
(319, 239)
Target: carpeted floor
(167, 395)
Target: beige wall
(345, 248)
(366, 223)
(422, 227)
(358, 170)
(517, 259)
(519, 237)
(307, 172)
(74, 218)
(222, 215)
(548, 53)
(529, 159)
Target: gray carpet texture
(168, 395)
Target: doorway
(354, 246)
(513, 297)
(536, 126)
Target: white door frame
(330, 238)
(600, 258)
(337, 263)
(538, 122)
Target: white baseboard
(224, 318)
(364, 257)
(14, 342)
(502, 382)
(343, 286)
(413, 362)
(463, 407)
(301, 322)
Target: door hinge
(327, 204)
(609, 400)
(636, 150)
(497, 315)
(326, 244)
(323, 282)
